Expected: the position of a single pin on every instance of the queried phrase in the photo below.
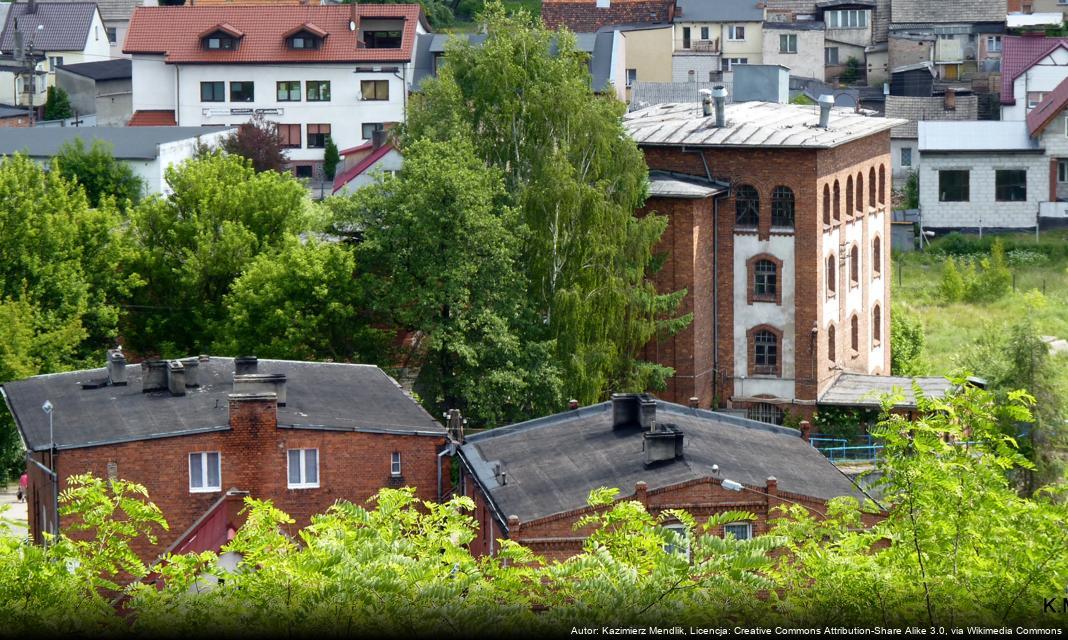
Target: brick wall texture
(353, 466)
(698, 257)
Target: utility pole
(24, 54)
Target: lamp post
(47, 408)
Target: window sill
(853, 354)
(765, 375)
(832, 295)
(772, 300)
(206, 490)
(876, 343)
(303, 486)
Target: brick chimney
(116, 368)
(806, 430)
(949, 100)
(252, 412)
(153, 375)
(176, 378)
(641, 492)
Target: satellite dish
(352, 25)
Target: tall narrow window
(882, 184)
(395, 464)
(765, 351)
(205, 473)
(826, 204)
(871, 187)
(685, 37)
(854, 330)
(782, 207)
(854, 266)
(831, 278)
(837, 202)
(303, 468)
(876, 324)
(860, 192)
(746, 206)
(832, 349)
(765, 281)
(849, 196)
(876, 257)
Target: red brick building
(779, 229)
(200, 433)
(530, 481)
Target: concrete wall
(807, 62)
(981, 210)
(82, 91)
(906, 51)
(694, 67)
(901, 172)
(114, 102)
(878, 68)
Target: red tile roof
(583, 16)
(1048, 109)
(349, 175)
(1020, 53)
(173, 31)
(152, 119)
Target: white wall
(901, 173)
(345, 112)
(747, 316)
(982, 209)
(392, 161)
(1044, 76)
(177, 152)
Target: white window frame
(732, 32)
(827, 55)
(395, 464)
(993, 43)
(790, 39)
(704, 34)
(730, 62)
(748, 530)
(303, 471)
(1041, 96)
(201, 458)
(847, 19)
(1062, 171)
(632, 77)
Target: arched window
(854, 333)
(765, 412)
(876, 324)
(860, 192)
(854, 266)
(831, 278)
(882, 184)
(831, 348)
(826, 204)
(746, 206)
(849, 196)
(782, 207)
(877, 256)
(837, 202)
(765, 351)
(765, 281)
(871, 187)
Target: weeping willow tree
(524, 98)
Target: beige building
(711, 37)
(648, 54)
(797, 46)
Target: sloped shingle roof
(916, 109)
(1049, 108)
(173, 31)
(947, 11)
(64, 26)
(104, 70)
(152, 118)
(1020, 53)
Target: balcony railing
(705, 46)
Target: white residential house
(713, 37)
(904, 139)
(1032, 67)
(318, 72)
(53, 33)
(1009, 174)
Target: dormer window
(221, 37)
(306, 37)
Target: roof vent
(706, 102)
(262, 383)
(719, 98)
(192, 371)
(663, 443)
(245, 364)
(153, 375)
(826, 102)
(176, 378)
(633, 410)
(116, 368)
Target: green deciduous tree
(306, 302)
(97, 170)
(442, 247)
(952, 287)
(57, 104)
(575, 178)
(907, 342)
(192, 245)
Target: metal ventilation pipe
(826, 102)
(719, 97)
(706, 101)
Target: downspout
(715, 277)
(447, 450)
(55, 491)
(178, 95)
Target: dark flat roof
(118, 69)
(552, 463)
(319, 395)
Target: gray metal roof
(751, 124)
(673, 185)
(858, 389)
(551, 464)
(983, 135)
(117, 69)
(128, 143)
(318, 395)
(7, 111)
(718, 11)
(64, 26)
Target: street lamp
(47, 408)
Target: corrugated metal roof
(670, 185)
(857, 389)
(984, 135)
(751, 124)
